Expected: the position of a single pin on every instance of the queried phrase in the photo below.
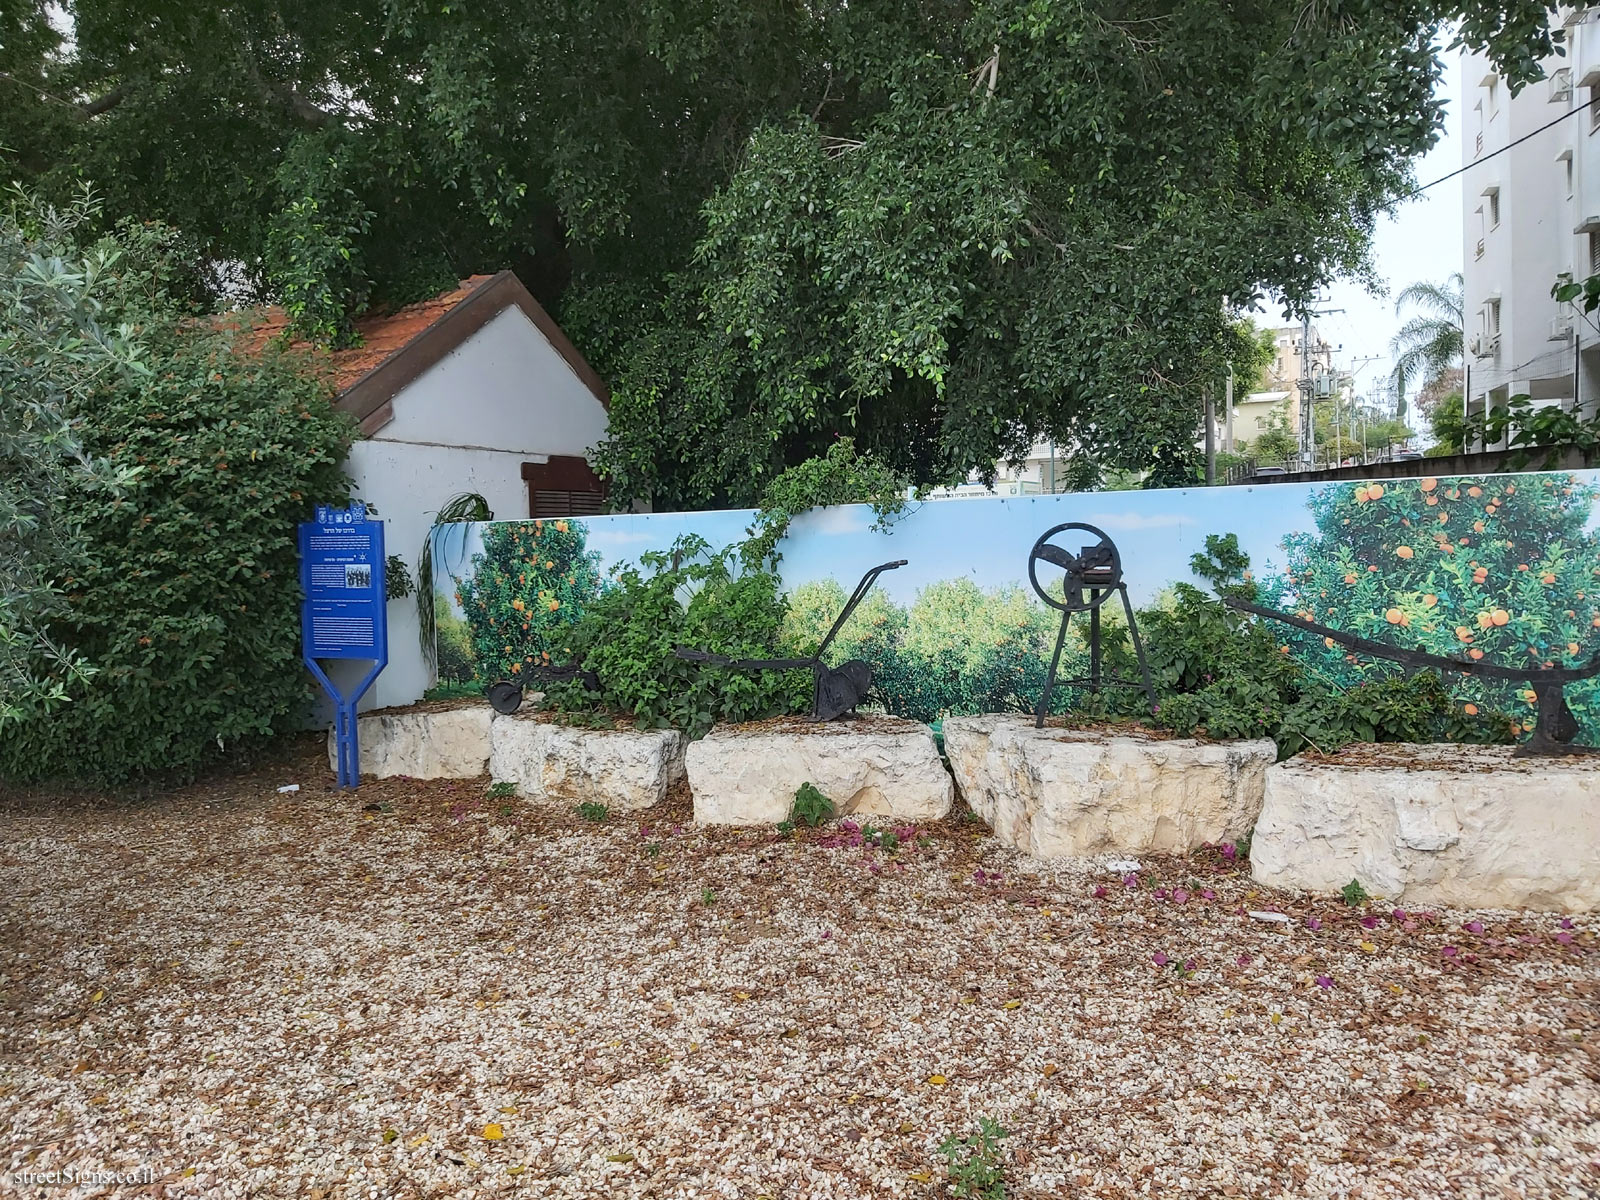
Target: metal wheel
(504, 696)
(1089, 575)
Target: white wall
(1534, 239)
(502, 398)
(504, 388)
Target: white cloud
(1133, 521)
(850, 518)
(620, 537)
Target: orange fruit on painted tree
(1477, 527)
(1547, 578)
(515, 668)
(1431, 501)
(1349, 578)
(1522, 566)
(1428, 484)
(1500, 616)
(1394, 616)
(1572, 647)
(1328, 642)
(1470, 709)
(1403, 551)
(1485, 620)
(1474, 492)
(1375, 492)
(1373, 567)
(1361, 495)
(1429, 600)
(1480, 575)
(1463, 633)
(1475, 652)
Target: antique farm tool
(1089, 577)
(505, 696)
(838, 689)
(1552, 732)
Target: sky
(1420, 240)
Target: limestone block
(448, 743)
(873, 766)
(1468, 826)
(550, 763)
(1057, 793)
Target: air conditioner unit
(1560, 329)
(1484, 346)
(1561, 84)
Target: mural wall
(1503, 567)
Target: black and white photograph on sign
(358, 575)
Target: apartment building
(1531, 199)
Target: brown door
(565, 486)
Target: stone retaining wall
(1056, 793)
(1435, 825)
(875, 766)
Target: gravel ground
(311, 995)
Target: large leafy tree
(942, 228)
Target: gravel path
(309, 995)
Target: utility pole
(1227, 414)
(1211, 438)
(1308, 429)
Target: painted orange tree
(530, 581)
(1504, 568)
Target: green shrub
(810, 806)
(686, 596)
(187, 599)
(453, 646)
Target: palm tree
(1430, 343)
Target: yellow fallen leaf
(1368, 947)
(477, 1004)
(920, 1177)
(937, 1080)
(906, 1126)
(493, 1133)
(389, 1135)
(417, 1141)
(517, 1170)
(741, 995)
(1275, 1018)
(188, 1172)
(98, 1100)
(968, 1000)
(236, 944)
(1049, 1070)
(510, 1110)
(1012, 1004)
(852, 1097)
(791, 1032)
(622, 1158)
(1397, 989)
(97, 997)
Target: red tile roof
(382, 334)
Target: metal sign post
(344, 613)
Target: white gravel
(255, 994)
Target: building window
(1491, 312)
(1594, 109)
(1594, 254)
(1493, 195)
(565, 486)
(1494, 97)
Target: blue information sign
(344, 614)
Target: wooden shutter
(565, 486)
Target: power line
(1571, 112)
